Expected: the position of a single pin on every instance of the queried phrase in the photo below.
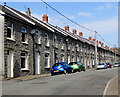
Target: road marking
(105, 90)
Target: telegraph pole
(115, 55)
(95, 51)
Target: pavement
(30, 77)
(112, 87)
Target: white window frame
(26, 36)
(38, 37)
(47, 40)
(73, 47)
(48, 59)
(62, 44)
(55, 41)
(12, 31)
(26, 61)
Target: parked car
(81, 66)
(60, 67)
(109, 65)
(75, 66)
(117, 65)
(102, 66)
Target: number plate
(56, 71)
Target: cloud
(105, 6)
(86, 14)
(104, 26)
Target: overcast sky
(99, 16)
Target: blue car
(60, 67)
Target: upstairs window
(46, 40)
(38, 37)
(62, 43)
(55, 41)
(10, 32)
(24, 34)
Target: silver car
(102, 66)
(117, 65)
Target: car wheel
(79, 70)
(72, 71)
(52, 74)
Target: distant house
(31, 46)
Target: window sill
(38, 43)
(10, 39)
(24, 69)
(25, 43)
(47, 45)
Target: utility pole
(95, 50)
(115, 55)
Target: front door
(37, 63)
(10, 73)
(68, 59)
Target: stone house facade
(32, 46)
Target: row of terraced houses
(31, 45)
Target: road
(79, 83)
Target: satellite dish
(32, 31)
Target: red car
(109, 65)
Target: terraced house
(31, 46)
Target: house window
(38, 37)
(73, 47)
(24, 34)
(62, 43)
(55, 41)
(24, 59)
(47, 60)
(46, 40)
(10, 32)
(62, 58)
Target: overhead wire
(76, 23)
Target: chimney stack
(28, 12)
(80, 34)
(94, 39)
(66, 28)
(45, 18)
(97, 42)
(90, 38)
(74, 31)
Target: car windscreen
(79, 63)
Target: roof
(5, 10)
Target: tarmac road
(79, 83)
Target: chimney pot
(66, 28)
(80, 34)
(74, 31)
(90, 38)
(45, 18)
(94, 39)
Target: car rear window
(101, 64)
(72, 63)
(57, 64)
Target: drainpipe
(2, 43)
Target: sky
(98, 16)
